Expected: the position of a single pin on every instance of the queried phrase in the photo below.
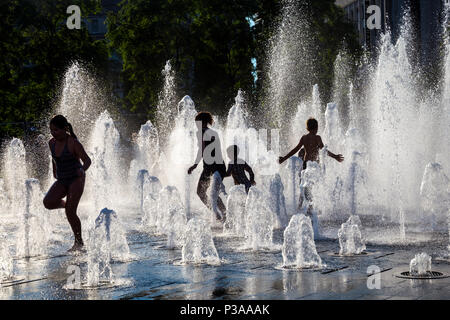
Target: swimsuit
(67, 166)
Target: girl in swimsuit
(69, 173)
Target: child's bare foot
(77, 248)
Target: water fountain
(299, 250)
(235, 222)
(107, 242)
(289, 64)
(274, 193)
(420, 269)
(166, 110)
(434, 193)
(34, 228)
(4, 200)
(82, 100)
(382, 173)
(350, 239)
(291, 180)
(236, 126)
(259, 221)
(148, 148)
(311, 108)
(357, 183)
(151, 190)
(182, 150)
(395, 155)
(171, 219)
(6, 259)
(15, 174)
(106, 169)
(312, 193)
(333, 130)
(199, 246)
(420, 265)
(444, 114)
(142, 179)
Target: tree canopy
(36, 48)
(212, 45)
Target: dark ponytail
(72, 134)
(61, 122)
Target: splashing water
(34, 227)
(4, 200)
(299, 249)
(15, 174)
(236, 128)
(357, 183)
(435, 195)
(151, 188)
(290, 66)
(311, 185)
(350, 239)
(166, 109)
(216, 187)
(182, 149)
(259, 221)
(142, 179)
(171, 219)
(82, 100)
(235, 222)
(434, 190)
(387, 116)
(107, 241)
(274, 194)
(106, 166)
(291, 179)
(420, 265)
(395, 155)
(148, 148)
(6, 259)
(199, 246)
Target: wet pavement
(155, 273)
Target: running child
(237, 168)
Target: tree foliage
(210, 43)
(36, 48)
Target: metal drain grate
(362, 254)
(429, 275)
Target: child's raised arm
(292, 152)
(337, 157)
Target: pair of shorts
(209, 169)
